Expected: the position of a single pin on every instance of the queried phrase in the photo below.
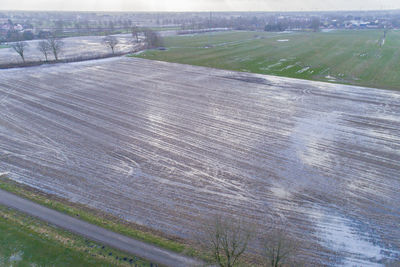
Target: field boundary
(100, 218)
(68, 60)
(29, 234)
(96, 233)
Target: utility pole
(209, 26)
(209, 30)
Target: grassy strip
(97, 217)
(4, 46)
(27, 241)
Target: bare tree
(56, 45)
(227, 240)
(135, 33)
(20, 48)
(44, 47)
(152, 38)
(279, 248)
(111, 42)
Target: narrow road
(95, 233)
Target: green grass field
(4, 46)
(350, 57)
(25, 241)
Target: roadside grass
(341, 56)
(100, 218)
(27, 241)
(4, 46)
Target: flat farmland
(171, 146)
(342, 56)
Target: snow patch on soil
(339, 234)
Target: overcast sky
(198, 5)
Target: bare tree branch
(152, 38)
(56, 45)
(20, 48)
(44, 47)
(111, 42)
(279, 248)
(227, 240)
(135, 33)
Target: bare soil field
(84, 46)
(170, 146)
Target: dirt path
(98, 234)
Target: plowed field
(169, 146)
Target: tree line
(226, 241)
(50, 46)
(54, 46)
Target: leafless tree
(20, 48)
(227, 240)
(279, 248)
(44, 47)
(56, 45)
(111, 42)
(152, 38)
(135, 33)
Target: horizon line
(201, 11)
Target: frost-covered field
(169, 145)
(87, 46)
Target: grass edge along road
(26, 240)
(100, 218)
(354, 57)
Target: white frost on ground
(337, 233)
(330, 78)
(16, 256)
(283, 40)
(303, 70)
(287, 67)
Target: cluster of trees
(14, 35)
(12, 32)
(227, 240)
(53, 45)
(50, 46)
(90, 24)
(268, 23)
(312, 23)
(63, 28)
(151, 38)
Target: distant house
(18, 27)
(11, 27)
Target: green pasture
(355, 57)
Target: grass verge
(27, 241)
(99, 218)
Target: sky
(198, 5)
